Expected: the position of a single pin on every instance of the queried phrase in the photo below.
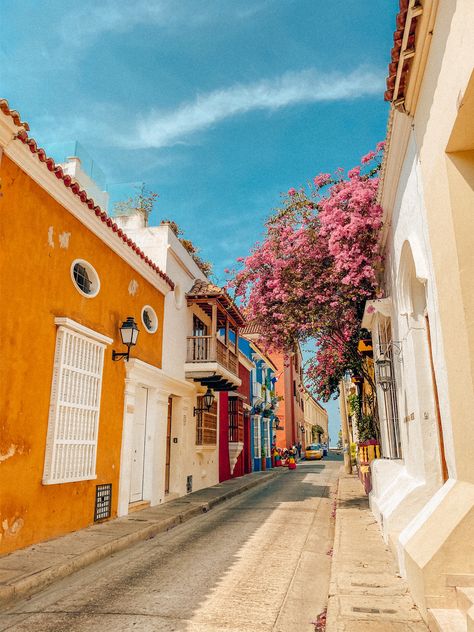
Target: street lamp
(129, 334)
(384, 373)
(208, 399)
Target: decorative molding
(155, 377)
(398, 136)
(82, 329)
(28, 162)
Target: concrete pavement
(258, 562)
(26, 571)
(366, 593)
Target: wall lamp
(129, 334)
(208, 399)
(384, 373)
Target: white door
(138, 444)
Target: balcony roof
(203, 291)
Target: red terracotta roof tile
(205, 289)
(22, 135)
(401, 23)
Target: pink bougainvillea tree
(317, 265)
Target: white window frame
(73, 425)
(154, 319)
(94, 278)
(257, 440)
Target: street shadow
(182, 571)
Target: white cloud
(88, 21)
(162, 129)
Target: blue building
(263, 404)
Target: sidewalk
(27, 571)
(365, 592)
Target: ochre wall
(36, 287)
(281, 439)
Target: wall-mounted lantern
(302, 428)
(129, 334)
(208, 400)
(384, 373)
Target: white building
(184, 451)
(423, 490)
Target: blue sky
(217, 105)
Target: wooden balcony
(212, 363)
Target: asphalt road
(259, 562)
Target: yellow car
(313, 452)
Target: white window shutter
(71, 445)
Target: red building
(234, 426)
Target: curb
(332, 607)
(33, 583)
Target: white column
(125, 454)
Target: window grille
(73, 424)
(266, 437)
(189, 484)
(82, 278)
(389, 397)
(147, 320)
(236, 419)
(206, 424)
(256, 436)
(103, 502)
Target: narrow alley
(258, 562)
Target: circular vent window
(85, 278)
(149, 319)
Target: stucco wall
(40, 241)
(165, 249)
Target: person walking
(299, 447)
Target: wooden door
(138, 445)
(168, 446)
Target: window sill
(206, 448)
(62, 481)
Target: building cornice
(398, 136)
(24, 153)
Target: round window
(149, 319)
(85, 278)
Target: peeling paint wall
(35, 279)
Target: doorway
(168, 446)
(138, 445)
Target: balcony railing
(211, 349)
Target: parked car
(313, 452)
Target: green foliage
(366, 424)
(204, 266)
(143, 201)
(366, 428)
(317, 432)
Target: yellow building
(314, 415)
(69, 279)
(423, 330)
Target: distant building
(314, 415)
